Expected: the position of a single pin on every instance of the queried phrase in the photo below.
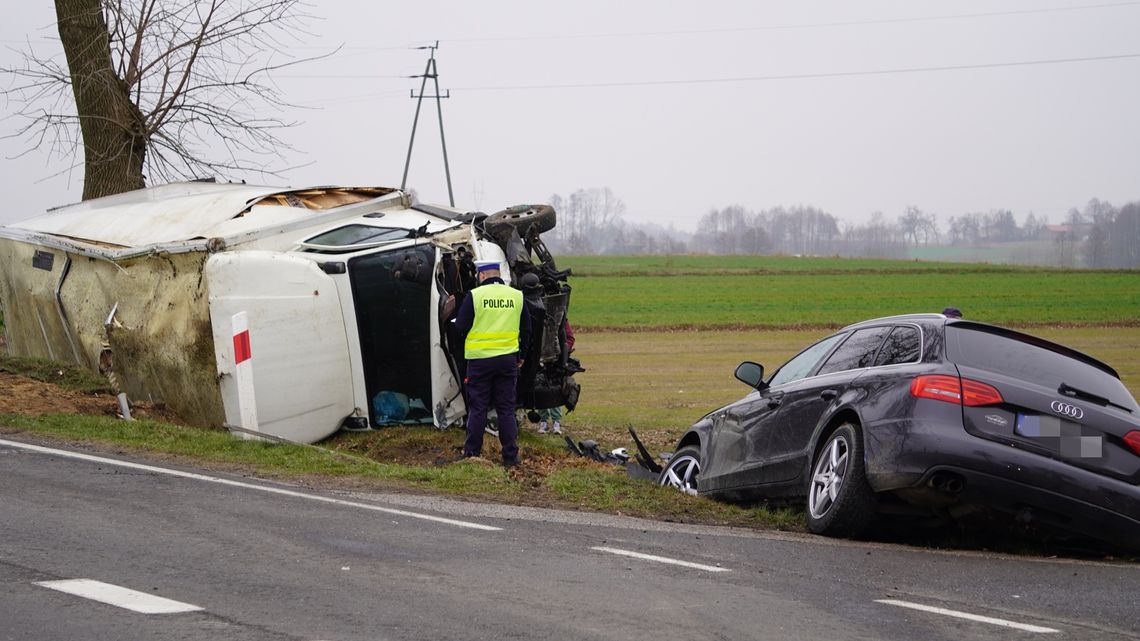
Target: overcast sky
(680, 107)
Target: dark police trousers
(491, 383)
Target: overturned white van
(347, 294)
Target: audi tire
(840, 501)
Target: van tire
(522, 218)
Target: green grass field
(704, 264)
(727, 292)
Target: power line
(353, 76)
(802, 76)
(342, 100)
(833, 74)
(785, 27)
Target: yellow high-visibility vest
(495, 331)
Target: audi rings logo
(1067, 409)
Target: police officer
(496, 330)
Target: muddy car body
(347, 295)
(930, 412)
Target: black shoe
(514, 462)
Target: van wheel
(840, 501)
(522, 218)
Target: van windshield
(983, 348)
(357, 234)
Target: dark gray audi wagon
(927, 411)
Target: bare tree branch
(197, 75)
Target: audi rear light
(951, 389)
(1132, 440)
(975, 393)
(939, 388)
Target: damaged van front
(323, 308)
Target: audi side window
(856, 352)
(804, 362)
(904, 345)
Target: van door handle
(828, 394)
(774, 402)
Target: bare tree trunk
(114, 142)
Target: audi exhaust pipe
(947, 482)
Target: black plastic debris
(641, 466)
(643, 456)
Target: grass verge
(549, 477)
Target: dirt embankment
(29, 397)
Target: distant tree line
(1113, 235)
(795, 230)
(591, 221)
(1099, 236)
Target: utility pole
(429, 72)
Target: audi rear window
(904, 345)
(984, 348)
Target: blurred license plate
(1036, 426)
(1059, 435)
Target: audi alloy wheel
(840, 501)
(683, 470)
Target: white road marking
(119, 596)
(662, 559)
(248, 486)
(1025, 627)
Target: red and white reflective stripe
(243, 374)
(241, 347)
(242, 352)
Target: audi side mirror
(751, 374)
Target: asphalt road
(247, 559)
